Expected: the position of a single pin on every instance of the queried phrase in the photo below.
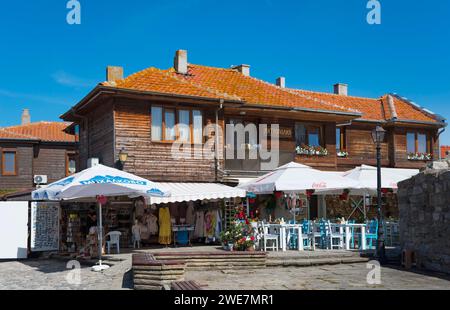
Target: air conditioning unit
(92, 162)
(40, 179)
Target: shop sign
(283, 132)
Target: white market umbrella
(366, 178)
(297, 178)
(99, 181)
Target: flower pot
(251, 248)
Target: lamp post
(123, 157)
(378, 135)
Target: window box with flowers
(420, 156)
(342, 154)
(310, 150)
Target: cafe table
(282, 231)
(348, 234)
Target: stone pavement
(52, 273)
(348, 276)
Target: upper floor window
(341, 139)
(183, 124)
(417, 143)
(9, 162)
(71, 164)
(307, 135)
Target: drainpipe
(437, 138)
(86, 124)
(216, 150)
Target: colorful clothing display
(210, 224)
(218, 224)
(152, 224)
(165, 227)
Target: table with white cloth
(282, 231)
(346, 230)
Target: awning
(197, 191)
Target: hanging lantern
(278, 195)
(309, 193)
(384, 191)
(102, 199)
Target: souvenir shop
(142, 224)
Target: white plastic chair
(332, 235)
(114, 239)
(267, 237)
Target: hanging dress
(199, 224)
(165, 228)
(190, 214)
(152, 224)
(210, 224)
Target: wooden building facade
(35, 149)
(138, 115)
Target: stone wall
(424, 204)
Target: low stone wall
(424, 204)
(150, 274)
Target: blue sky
(47, 65)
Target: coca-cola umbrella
(297, 178)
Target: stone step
(207, 268)
(229, 257)
(314, 262)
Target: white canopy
(366, 178)
(298, 178)
(197, 191)
(99, 180)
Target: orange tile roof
(229, 84)
(156, 80)
(444, 150)
(254, 91)
(370, 108)
(407, 111)
(44, 131)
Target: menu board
(45, 226)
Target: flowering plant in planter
(311, 150)
(419, 156)
(342, 154)
(240, 232)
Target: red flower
(252, 238)
(247, 221)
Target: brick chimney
(180, 62)
(244, 69)
(281, 82)
(114, 74)
(26, 117)
(341, 89)
(392, 108)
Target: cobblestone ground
(51, 274)
(332, 277)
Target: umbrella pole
(100, 233)
(100, 266)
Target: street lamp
(378, 135)
(123, 157)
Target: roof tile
(44, 131)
